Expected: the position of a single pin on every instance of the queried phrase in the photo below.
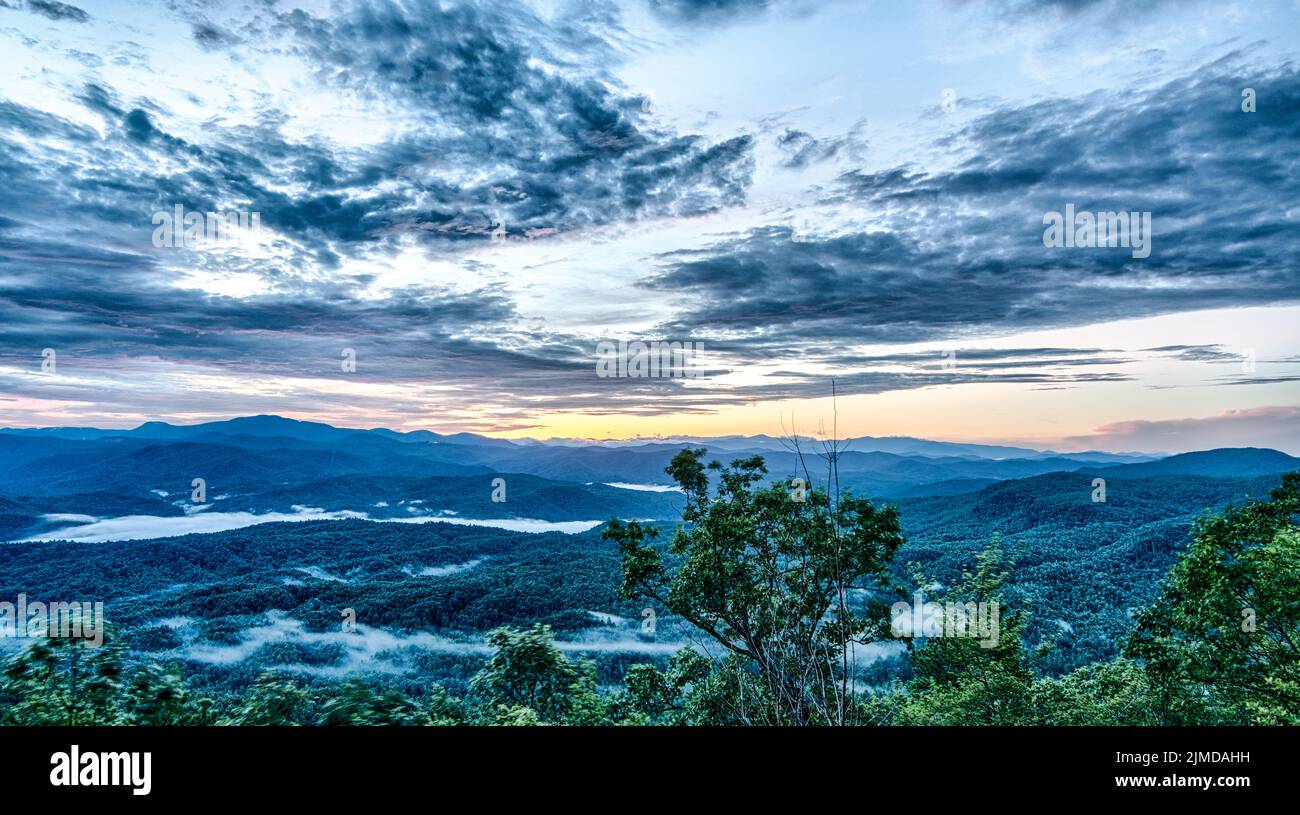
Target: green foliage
(1227, 625)
(1080, 562)
(669, 697)
(962, 680)
(586, 708)
(158, 696)
(65, 680)
(68, 681)
(220, 577)
(787, 590)
(273, 700)
(444, 709)
(769, 578)
(694, 690)
(1105, 694)
(62, 680)
(357, 703)
(515, 716)
(529, 672)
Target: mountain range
(55, 477)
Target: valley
(305, 521)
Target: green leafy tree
(273, 701)
(65, 680)
(515, 716)
(695, 690)
(668, 697)
(444, 709)
(158, 696)
(528, 672)
(1104, 694)
(960, 680)
(770, 578)
(586, 708)
(356, 702)
(1227, 626)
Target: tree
(65, 680)
(961, 680)
(669, 697)
(1103, 694)
(1228, 619)
(528, 672)
(71, 680)
(443, 708)
(769, 578)
(158, 696)
(357, 703)
(273, 701)
(585, 707)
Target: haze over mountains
(391, 524)
(279, 428)
(53, 479)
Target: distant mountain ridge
(261, 464)
(272, 425)
(1221, 462)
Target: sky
(457, 202)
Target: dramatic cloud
(707, 11)
(946, 254)
(57, 11)
(501, 133)
(465, 197)
(494, 98)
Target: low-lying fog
(376, 649)
(140, 527)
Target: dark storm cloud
(563, 150)
(97, 309)
(551, 149)
(858, 375)
(960, 251)
(668, 396)
(1255, 380)
(802, 149)
(869, 382)
(560, 146)
(707, 11)
(211, 37)
(981, 359)
(81, 276)
(57, 11)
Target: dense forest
(1172, 602)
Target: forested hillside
(430, 603)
